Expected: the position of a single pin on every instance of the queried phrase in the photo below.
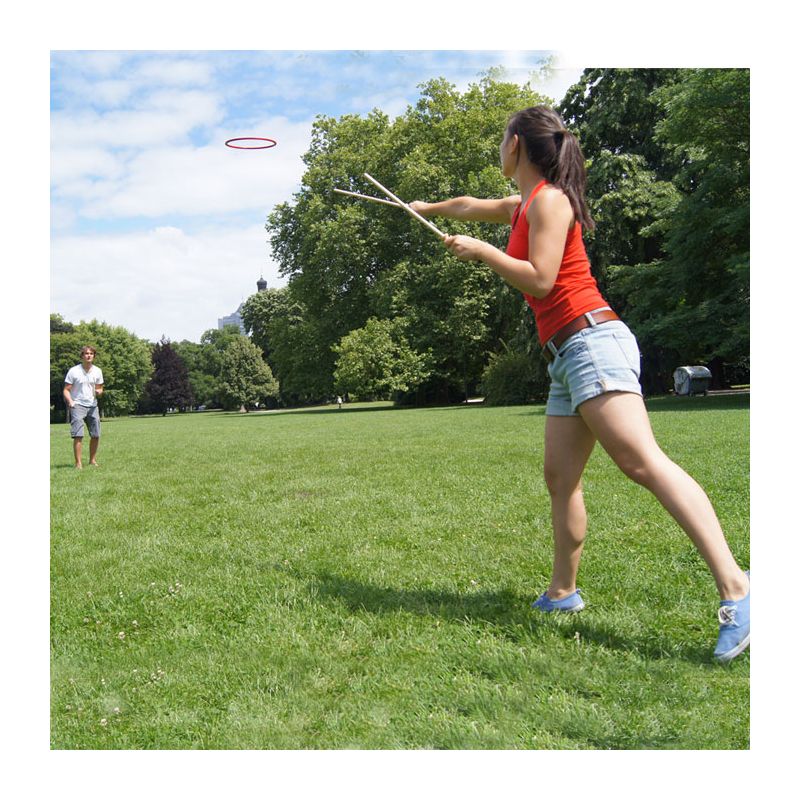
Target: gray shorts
(80, 414)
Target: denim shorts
(78, 415)
(590, 363)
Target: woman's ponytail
(570, 175)
(557, 153)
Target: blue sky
(155, 224)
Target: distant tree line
(225, 370)
(375, 308)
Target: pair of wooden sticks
(395, 201)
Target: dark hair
(556, 152)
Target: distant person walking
(593, 360)
(83, 384)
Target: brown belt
(552, 345)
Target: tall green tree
(258, 313)
(668, 185)
(245, 378)
(125, 361)
(376, 362)
(203, 381)
(59, 325)
(348, 261)
(614, 113)
(692, 305)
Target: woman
(593, 361)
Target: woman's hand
(465, 247)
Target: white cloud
(112, 92)
(186, 180)
(69, 165)
(162, 281)
(166, 117)
(174, 71)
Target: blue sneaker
(571, 603)
(734, 628)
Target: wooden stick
(406, 207)
(369, 197)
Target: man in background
(83, 384)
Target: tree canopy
(669, 185)
(349, 261)
(169, 385)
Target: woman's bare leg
(568, 443)
(620, 423)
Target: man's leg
(77, 447)
(93, 422)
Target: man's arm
(68, 396)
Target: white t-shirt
(83, 383)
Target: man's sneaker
(734, 628)
(571, 603)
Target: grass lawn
(362, 579)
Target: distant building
(232, 319)
(236, 317)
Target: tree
(668, 185)
(300, 352)
(59, 325)
(376, 362)
(692, 305)
(202, 382)
(616, 111)
(349, 261)
(629, 174)
(245, 378)
(169, 385)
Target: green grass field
(362, 579)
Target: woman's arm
(549, 219)
(470, 208)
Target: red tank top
(575, 291)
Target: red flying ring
(270, 143)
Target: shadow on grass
(507, 612)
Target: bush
(513, 378)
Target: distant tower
(262, 284)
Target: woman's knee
(559, 483)
(641, 468)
